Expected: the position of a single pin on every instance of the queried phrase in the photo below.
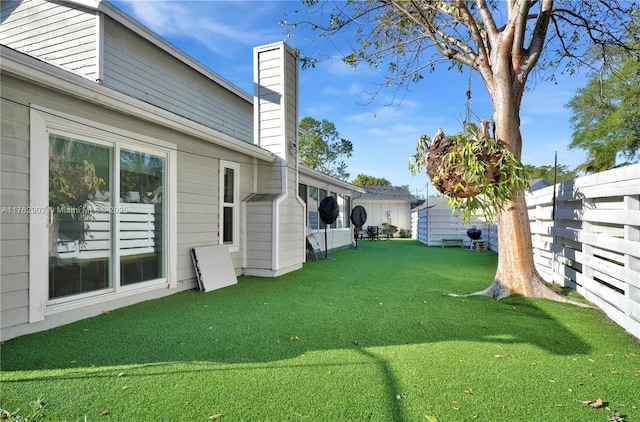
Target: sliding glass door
(107, 216)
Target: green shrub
(389, 229)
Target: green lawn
(370, 335)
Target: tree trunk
(516, 271)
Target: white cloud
(210, 23)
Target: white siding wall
(291, 253)
(377, 213)
(260, 234)
(270, 131)
(62, 33)
(276, 122)
(291, 227)
(198, 187)
(14, 192)
(140, 69)
(197, 198)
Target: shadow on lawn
(269, 320)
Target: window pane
(142, 216)
(347, 211)
(312, 208)
(228, 185)
(302, 193)
(227, 229)
(79, 234)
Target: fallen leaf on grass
(216, 416)
(617, 418)
(126, 387)
(356, 342)
(104, 412)
(294, 338)
(121, 374)
(595, 404)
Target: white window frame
(44, 121)
(235, 245)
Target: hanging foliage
(473, 170)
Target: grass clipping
(474, 171)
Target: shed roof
(536, 184)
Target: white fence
(138, 233)
(591, 242)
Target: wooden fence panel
(593, 245)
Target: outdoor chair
(373, 232)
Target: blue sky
(221, 35)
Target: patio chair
(373, 232)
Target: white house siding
(197, 198)
(61, 33)
(14, 192)
(377, 213)
(291, 229)
(291, 236)
(259, 225)
(291, 104)
(198, 185)
(275, 217)
(269, 90)
(138, 68)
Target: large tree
(321, 147)
(559, 173)
(366, 180)
(504, 42)
(606, 113)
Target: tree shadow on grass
(227, 327)
(354, 308)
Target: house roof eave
(121, 17)
(308, 171)
(38, 71)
